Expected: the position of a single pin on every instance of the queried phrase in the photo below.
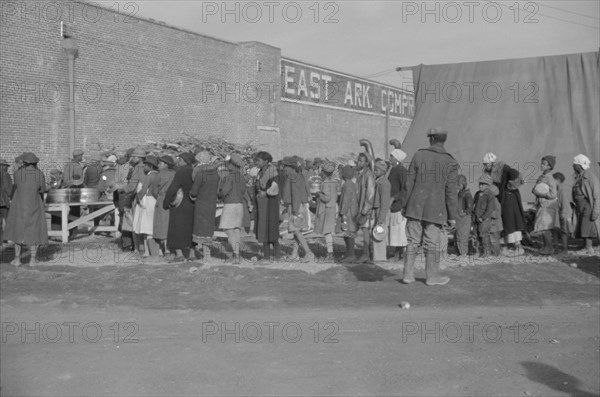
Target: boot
(350, 256)
(487, 246)
(432, 266)
(409, 264)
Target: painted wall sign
(317, 86)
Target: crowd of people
(168, 204)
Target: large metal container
(315, 184)
(62, 196)
(89, 195)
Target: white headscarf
(489, 158)
(398, 155)
(582, 160)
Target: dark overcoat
(431, 186)
(26, 220)
(181, 219)
(204, 189)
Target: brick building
(138, 79)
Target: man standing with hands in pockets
(432, 200)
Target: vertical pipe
(71, 102)
(387, 133)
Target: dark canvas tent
(519, 109)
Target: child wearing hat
(143, 212)
(488, 216)
(463, 221)
(546, 217)
(565, 210)
(327, 208)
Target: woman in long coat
(181, 217)
(508, 181)
(586, 195)
(159, 190)
(204, 193)
(266, 208)
(547, 216)
(26, 220)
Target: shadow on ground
(554, 378)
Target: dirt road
(503, 329)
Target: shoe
(363, 259)
(177, 259)
(349, 259)
(307, 258)
(546, 251)
(437, 280)
(329, 259)
(408, 280)
(16, 263)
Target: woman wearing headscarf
(381, 205)
(26, 220)
(231, 191)
(204, 194)
(266, 208)
(586, 195)
(6, 186)
(546, 194)
(160, 224)
(181, 216)
(508, 181)
(397, 177)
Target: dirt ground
(86, 319)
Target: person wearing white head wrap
(582, 160)
(489, 158)
(398, 155)
(586, 195)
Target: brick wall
(138, 79)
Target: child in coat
(564, 209)
(488, 216)
(463, 222)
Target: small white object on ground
(405, 305)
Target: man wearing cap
(204, 194)
(6, 186)
(365, 185)
(73, 171)
(92, 173)
(397, 178)
(135, 175)
(107, 182)
(432, 192)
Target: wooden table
(69, 222)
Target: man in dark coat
(6, 186)
(204, 194)
(432, 200)
(181, 217)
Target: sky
(371, 39)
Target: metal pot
(89, 195)
(315, 184)
(61, 196)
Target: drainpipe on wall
(70, 46)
